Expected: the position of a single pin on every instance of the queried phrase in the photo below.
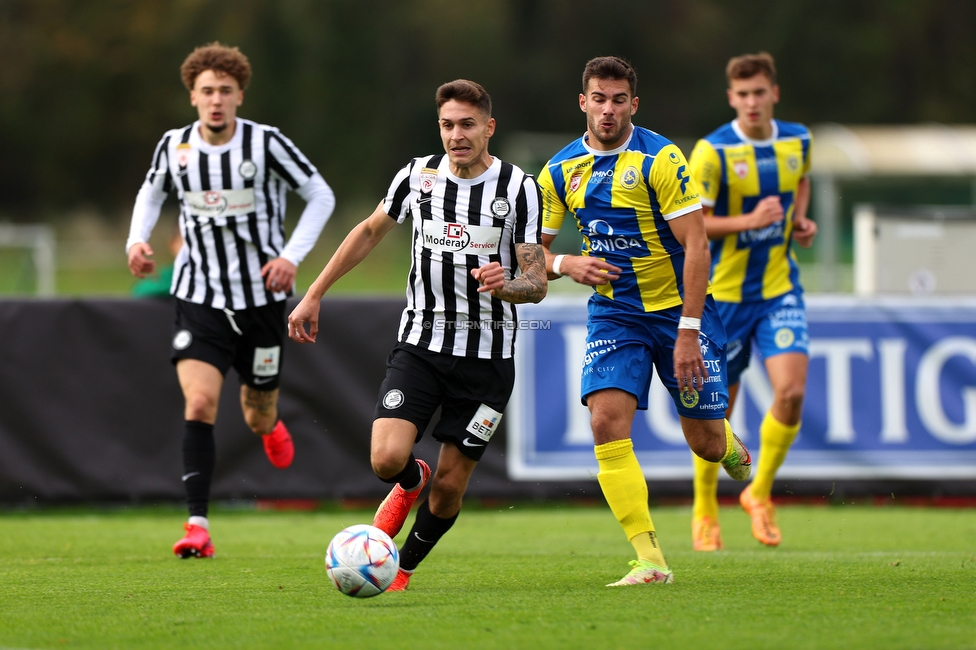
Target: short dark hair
(749, 65)
(610, 67)
(219, 58)
(469, 92)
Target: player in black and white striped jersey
(235, 269)
(476, 252)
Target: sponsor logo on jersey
(266, 361)
(603, 240)
(461, 238)
(767, 163)
(248, 169)
(220, 203)
(741, 168)
(684, 177)
(427, 179)
(630, 178)
(182, 340)
(484, 423)
(500, 207)
(393, 399)
(599, 176)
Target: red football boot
(393, 511)
(400, 582)
(196, 543)
(278, 446)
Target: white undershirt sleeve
(145, 214)
(319, 204)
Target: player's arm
(288, 163)
(804, 228)
(353, 250)
(583, 269)
(145, 213)
(705, 165)
(767, 212)
(530, 285)
(689, 230)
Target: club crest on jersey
(575, 180)
(248, 169)
(500, 207)
(183, 155)
(427, 179)
(630, 178)
(741, 168)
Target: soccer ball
(362, 561)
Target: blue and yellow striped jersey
(622, 201)
(734, 173)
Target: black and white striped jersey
(232, 211)
(458, 225)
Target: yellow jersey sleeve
(553, 209)
(672, 183)
(706, 169)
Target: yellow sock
(775, 439)
(625, 490)
(647, 548)
(706, 488)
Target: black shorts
(472, 394)
(250, 340)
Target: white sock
(200, 521)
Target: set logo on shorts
(393, 399)
(483, 425)
(266, 361)
(182, 340)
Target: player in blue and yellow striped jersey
(753, 178)
(645, 251)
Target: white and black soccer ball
(362, 561)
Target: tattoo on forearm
(531, 285)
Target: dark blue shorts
(624, 344)
(778, 325)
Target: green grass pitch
(512, 576)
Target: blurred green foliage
(88, 87)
